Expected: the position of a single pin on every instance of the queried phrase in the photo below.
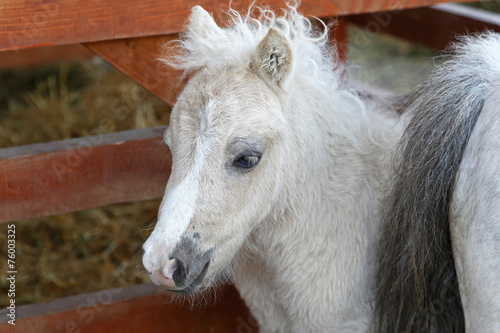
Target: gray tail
(417, 288)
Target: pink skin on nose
(163, 275)
(159, 279)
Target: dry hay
(90, 250)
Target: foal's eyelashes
(247, 160)
(244, 154)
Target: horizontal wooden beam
(28, 23)
(138, 59)
(434, 27)
(42, 56)
(140, 308)
(70, 175)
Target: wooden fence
(88, 172)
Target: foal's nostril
(180, 273)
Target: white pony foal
(278, 172)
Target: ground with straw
(90, 250)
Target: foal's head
(227, 137)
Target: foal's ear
(273, 59)
(201, 22)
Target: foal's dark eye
(247, 160)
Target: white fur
(475, 222)
(299, 231)
(176, 211)
(475, 209)
(446, 181)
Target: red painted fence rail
(70, 175)
(35, 23)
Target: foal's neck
(340, 149)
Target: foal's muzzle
(185, 268)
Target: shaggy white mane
(233, 46)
